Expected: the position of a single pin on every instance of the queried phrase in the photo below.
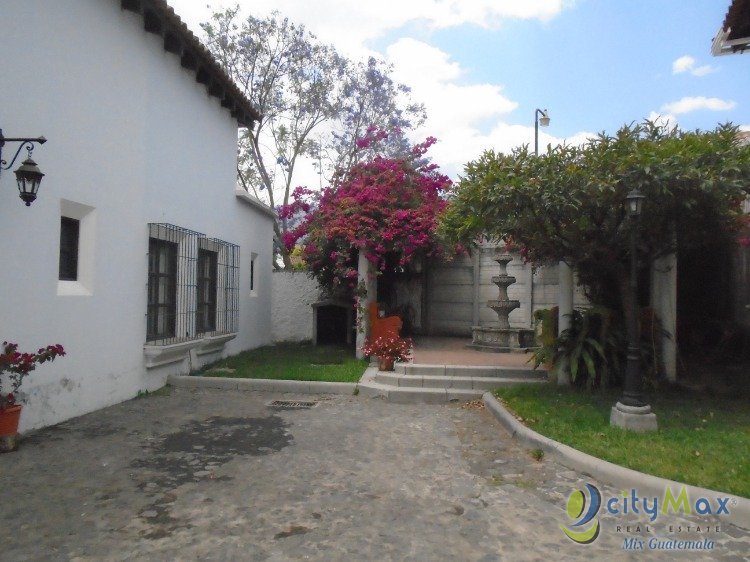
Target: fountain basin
(502, 340)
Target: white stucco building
(138, 256)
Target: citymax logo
(583, 506)
(631, 503)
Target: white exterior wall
(293, 292)
(133, 139)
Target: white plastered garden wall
(294, 293)
(455, 302)
(132, 137)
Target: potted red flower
(17, 365)
(388, 350)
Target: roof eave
(160, 19)
(721, 45)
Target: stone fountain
(503, 338)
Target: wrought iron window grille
(193, 285)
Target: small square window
(69, 235)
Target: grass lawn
(302, 362)
(702, 440)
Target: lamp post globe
(635, 203)
(541, 117)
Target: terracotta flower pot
(386, 363)
(9, 418)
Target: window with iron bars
(193, 285)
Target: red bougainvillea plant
(18, 365)
(386, 207)
(389, 347)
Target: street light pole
(541, 117)
(631, 411)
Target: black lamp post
(632, 393)
(28, 174)
(541, 117)
(631, 411)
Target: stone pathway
(213, 475)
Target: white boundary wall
(458, 291)
(293, 294)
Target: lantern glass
(28, 178)
(635, 203)
(544, 120)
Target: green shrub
(545, 323)
(592, 347)
(595, 344)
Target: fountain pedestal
(503, 338)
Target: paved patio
(453, 351)
(215, 475)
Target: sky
(483, 67)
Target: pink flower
(288, 239)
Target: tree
(371, 106)
(313, 102)
(569, 204)
(386, 207)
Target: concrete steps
(468, 371)
(433, 384)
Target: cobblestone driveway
(211, 475)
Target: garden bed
(702, 440)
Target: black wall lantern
(28, 174)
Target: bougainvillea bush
(385, 207)
(18, 365)
(389, 347)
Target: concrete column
(664, 303)
(531, 295)
(476, 260)
(366, 274)
(565, 304)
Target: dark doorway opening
(333, 324)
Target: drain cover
(292, 404)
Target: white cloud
(703, 70)
(490, 13)
(663, 119)
(683, 64)
(687, 63)
(351, 25)
(465, 118)
(696, 103)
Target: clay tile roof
(734, 35)
(159, 18)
